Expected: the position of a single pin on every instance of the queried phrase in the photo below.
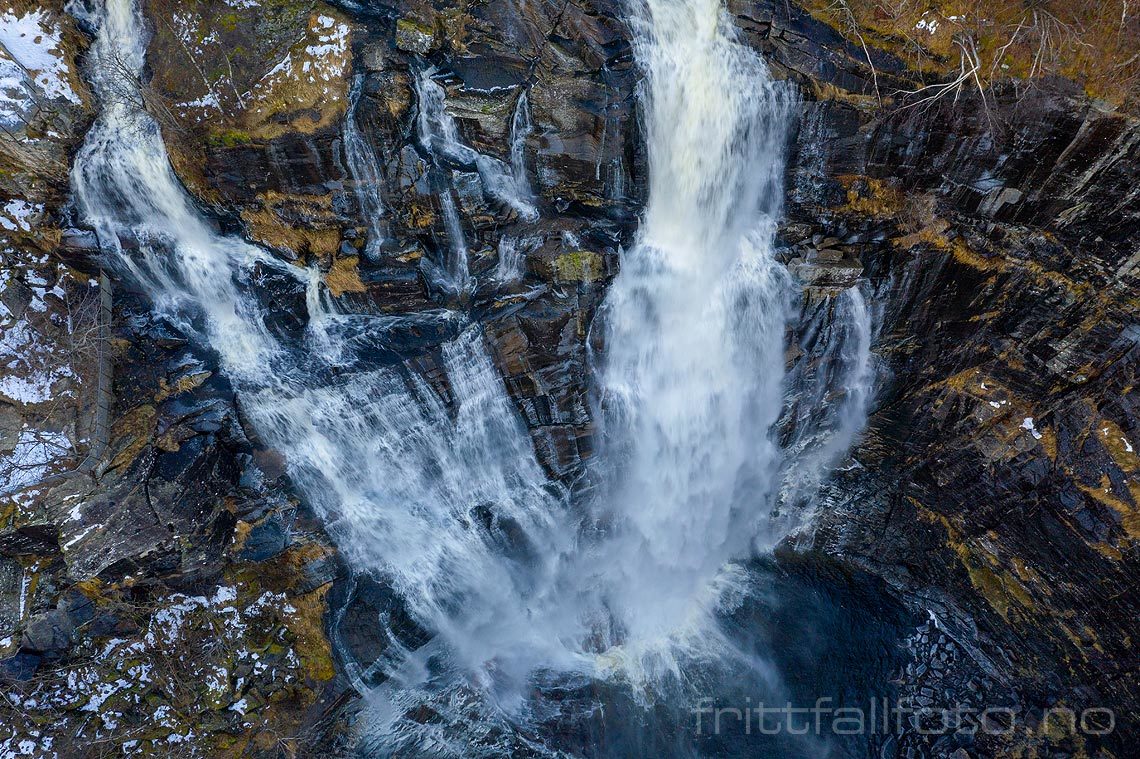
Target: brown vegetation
(975, 43)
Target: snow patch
(324, 58)
(28, 462)
(32, 64)
(930, 26)
(209, 101)
(28, 373)
(20, 215)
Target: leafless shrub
(968, 67)
(1093, 42)
(919, 212)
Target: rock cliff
(163, 590)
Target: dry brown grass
(975, 43)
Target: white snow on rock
(28, 372)
(125, 683)
(1027, 425)
(19, 215)
(35, 43)
(928, 25)
(324, 57)
(28, 462)
(209, 101)
(32, 64)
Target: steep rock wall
(996, 485)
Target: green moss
(412, 36)
(228, 138)
(410, 25)
(579, 266)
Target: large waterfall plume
(693, 363)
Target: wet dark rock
(79, 608)
(318, 573)
(830, 274)
(368, 616)
(266, 539)
(20, 667)
(1005, 311)
(38, 540)
(49, 634)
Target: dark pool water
(812, 632)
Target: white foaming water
(448, 503)
(440, 135)
(512, 257)
(693, 365)
(444, 498)
(365, 172)
(520, 130)
(126, 189)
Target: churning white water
(694, 350)
(443, 499)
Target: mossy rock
(579, 266)
(228, 138)
(414, 37)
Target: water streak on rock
(365, 170)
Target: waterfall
(431, 495)
(693, 365)
(520, 130)
(434, 488)
(125, 187)
(365, 170)
(439, 135)
(512, 257)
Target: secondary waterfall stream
(514, 583)
(365, 170)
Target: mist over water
(439, 496)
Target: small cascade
(520, 130)
(365, 170)
(439, 135)
(512, 257)
(457, 267)
(828, 392)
